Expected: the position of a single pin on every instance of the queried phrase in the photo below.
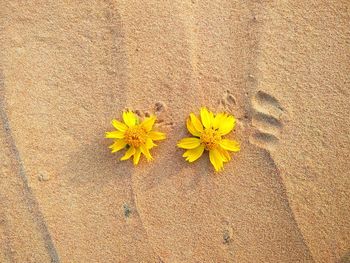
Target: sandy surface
(281, 67)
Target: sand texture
(68, 67)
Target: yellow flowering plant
(137, 137)
(208, 132)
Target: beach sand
(281, 67)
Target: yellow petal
(130, 152)
(119, 125)
(225, 155)
(226, 125)
(206, 117)
(216, 159)
(130, 118)
(191, 128)
(211, 118)
(117, 145)
(189, 143)
(156, 136)
(145, 151)
(137, 156)
(196, 123)
(217, 120)
(114, 135)
(193, 154)
(149, 143)
(149, 122)
(230, 145)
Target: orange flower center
(135, 136)
(210, 139)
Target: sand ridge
(315, 138)
(19, 205)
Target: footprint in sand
(228, 101)
(266, 119)
(159, 109)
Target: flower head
(208, 132)
(135, 136)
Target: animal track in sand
(160, 106)
(228, 232)
(228, 100)
(266, 120)
(161, 111)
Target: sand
(281, 67)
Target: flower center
(210, 139)
(135, 136)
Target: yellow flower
(135, 136)
(208, 134)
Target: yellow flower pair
(207, 131)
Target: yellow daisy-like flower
(208, 134)
(135, 136)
